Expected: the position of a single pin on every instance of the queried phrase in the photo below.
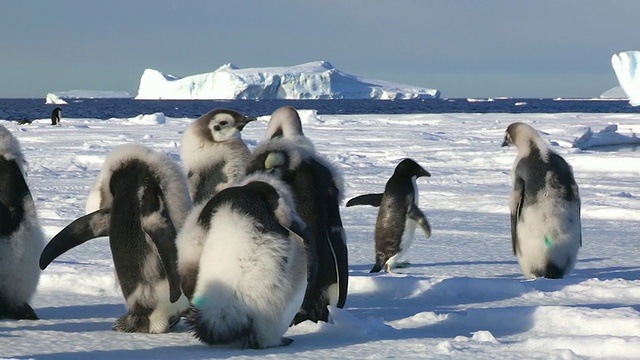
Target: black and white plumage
(317, 187)
(398, 214)
(140, 200)
(253, 267)
(546, 231)
(56, 115)
(21, 237)
(213, 152)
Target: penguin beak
(506, 141)
(242, 123)
(423, 172)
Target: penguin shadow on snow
(405, 268)
(62, 313)
(194, 352)
(609, 273)
(81, 312)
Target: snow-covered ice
(462, 297)
(313, 80)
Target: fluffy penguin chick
(253, 267)
(142, 200)
(21, 237)
(285, 123)
(317, 187)
(213, 152)
(398, 214)
(546, 231)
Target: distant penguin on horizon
(56, 115)
(214, 153)
(21, 236)
(546, 231)
(140, 201)
(318, 189)
(253, 269)
(398, 214)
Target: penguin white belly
(242, 285)
(405, 242)
(548, 231)
(19, 254)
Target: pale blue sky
(464, 48)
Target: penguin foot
(285, 341)
(22, 312)
(132, 323)
(174, 320)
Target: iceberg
(314, 80)
(52, 98)
(625, 65)
(615, 93)
(57, 97)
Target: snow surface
(626, 65)
(462, 297)
(314, 80)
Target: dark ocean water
(30, 109)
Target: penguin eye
(223, 123)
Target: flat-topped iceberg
(314, 80)
(59, 97)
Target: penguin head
(222, 124)
(276, 163)
(409, 167)
(285, 123)
(522, 136)
(10, 149)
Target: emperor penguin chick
(317, 187)
(213, 152)
(21, 237)
(140, 201)
(546, 231)
(285, 123)
(253, 266)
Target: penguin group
(243, 244)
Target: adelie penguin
(546, 231)
(21, 237)
(253, 268)
(398, 214)
(140, 201)
(56, 115)
(213, 152)
(317, 187)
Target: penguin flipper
(338, 244)
(163, 235)
(377, 266)
(416, 215)
(85, 228)
(517, 200)
(367, 199)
